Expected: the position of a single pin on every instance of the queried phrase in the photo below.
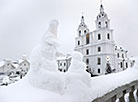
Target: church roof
(102, 14)
(82, 22)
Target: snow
(1, 63)
(44, 72)
(64, 58)
(74, 92)
(44, 83)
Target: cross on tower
(101, 1)
(82, 13)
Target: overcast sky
(23, 22)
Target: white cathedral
(98, 47)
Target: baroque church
(98, 47)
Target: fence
(119, 93)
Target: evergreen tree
(108, 68)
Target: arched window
(126, 65)
(87, 52)
(79, 32)
(99, 49)
(99, 61)
(87, 39)
(99, 24)
(106, 23)
(108, 36)
(117, 55)
(85, 31)
(78, 42)
(64, 64)
(122, 55)
(98, 70)
(121, 64)
(87, 61)
(99, 36)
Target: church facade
(98, 47)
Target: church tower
(82, 29)
(83, 36)
(103, 44)
(97, 47)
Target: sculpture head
(53, 27)
(77, 56)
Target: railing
(120, 92)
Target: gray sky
(23, 22)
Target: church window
(98, 70)
(99, 61)
(78, 42)
(64, 70)
(99, 49)
(121, 64)
(108, 36)
(85, 31)
(64, 64)
(122, 55)
(87, 39)
(80, 33)
(99, 16)
(126, 65)
(106, 23)
(99, 24)
(24, 64)
(87, 52)
(87, 61)
(117, 55)
(60, 64)
(99, 36)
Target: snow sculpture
(78, 69)
(44, 72)
(77, 79)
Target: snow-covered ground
(23, 91)
(44, 83)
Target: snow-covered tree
(108, 68)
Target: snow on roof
(120, 49)
(15, 65)
(1, 63)
(63, 58)
(20, 61)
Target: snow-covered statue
(78, 68)
(77, 79)
(49, 42)
(44, 71)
